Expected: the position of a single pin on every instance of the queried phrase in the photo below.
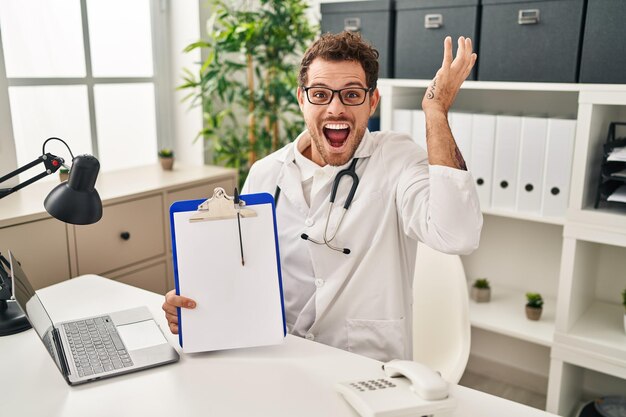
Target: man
(347, 275)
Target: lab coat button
(309, 222)
(319, 283)
(309, 336)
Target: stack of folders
(520, 163)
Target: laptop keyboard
(96, 346)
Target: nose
(335, 106)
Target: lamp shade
(77, 201)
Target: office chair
(441, 326)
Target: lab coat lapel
(290, 184)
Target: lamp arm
(51, 162)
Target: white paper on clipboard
(237, 305)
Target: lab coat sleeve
(439, 206)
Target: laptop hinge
(56, 336)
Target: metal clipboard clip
(221, 206)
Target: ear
(374, 100)
(300, 93)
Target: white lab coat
(363, 300)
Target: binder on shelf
(506, 160)
(531, 164)
(558, 166)
(419, 128)
(461, 126)
(612, 169)
(483, 139)
(239, 304)
(402, 121)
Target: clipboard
(236, 305)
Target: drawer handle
(529, 187)
(352, 24)
(125, 235)
(504, 184)
(528, 17)
(433, 21)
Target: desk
(295, 378)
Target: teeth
(337, 126)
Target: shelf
(559, 221)
(600, 332)
(504, 314)
(598, 229)
(510, 86)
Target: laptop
(98, 347)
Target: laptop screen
(29, 302)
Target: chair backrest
(441, 326)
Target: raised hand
(442, 91)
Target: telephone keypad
(372, 384)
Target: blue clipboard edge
(192, 205)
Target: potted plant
(247, 83)
(534, 305)
(481, 290)
(64, 174)
(166, 157)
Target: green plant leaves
(274, 33)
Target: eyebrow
(350, 84)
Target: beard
(320, 142)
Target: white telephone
(410, 389)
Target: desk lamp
(73, 201)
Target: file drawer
(152, 278)
(373, 19)
(41, 247)
(421, 27)
(128, 232)
(534, 41)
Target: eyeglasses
(351, 96)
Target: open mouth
(336, 134)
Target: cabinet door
(128, 233)
(41, 248)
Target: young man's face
(336, 129)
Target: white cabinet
(131, 243)
(577, 261)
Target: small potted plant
(534, 305)
(166, 157)
(64, 174)
(624, 304)
(481, 291)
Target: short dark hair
(344, 46)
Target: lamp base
(12, 319)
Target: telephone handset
(409, 389)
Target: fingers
(447, 52)
(178, 300)
(172, 301)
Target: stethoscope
(351, 172)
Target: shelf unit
(577, 262)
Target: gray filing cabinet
(603, 59)
(421, 27)
(373, 19)
(537, 40)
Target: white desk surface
(295, 378)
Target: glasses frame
(338, 92)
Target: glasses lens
(352, 96)
(319, 95)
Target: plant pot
(64, 176)
(533, 313)
(625, 322)
(481, 295)
(167, 163)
